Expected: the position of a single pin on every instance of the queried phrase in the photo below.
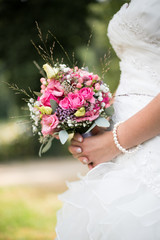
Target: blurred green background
(72, 22)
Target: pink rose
(106, 100)
(45, 98)
(97, 86)
(56, 88)
(42, 80)
(86, 77)
(89, 82)
(43, 87)
(65, 103)
(87, 94)
(89, 116)
(76, 100)
(49, 123)
(79, 85)
(76, 91)
(80, 80)
(95, 77)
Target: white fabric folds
(120, 200)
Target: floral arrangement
(70, 100)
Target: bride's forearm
(142, 126)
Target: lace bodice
(136, 26)
(134, 33)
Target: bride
(119, 198)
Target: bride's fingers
(83, 160)
(75, 150)
(77, 137)
(74, 143)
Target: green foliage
(28, 213)
(72, 23)
(66, 19)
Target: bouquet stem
(88, 134)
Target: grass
(28, 213)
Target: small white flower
(31, 108)
(109, 95)
(106, 89)
(34, 128)
(37, 104)
(29, 105)
(36, 123)
(102, 87)
(33, 116)
(62, 65)
(100, 99)
(31, 100)
(68, 76)
(37, 112)
(103, 104)
(66, 69)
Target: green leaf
(63, 136)
(45, 147)
(92, 126)
(40, 150)
(38, 94)
(86, 69)
(102, 122)
(109, 111)
(53, 105)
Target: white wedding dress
(120, 199)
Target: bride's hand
(95, 149)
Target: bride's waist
(142, 83)
(140, 76)
(126, 104)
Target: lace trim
(134, 29)
(138, 30)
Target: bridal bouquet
(70, 100)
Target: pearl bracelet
(115, 138)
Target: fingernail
(80, 139)
(78, 150)
(85, 161)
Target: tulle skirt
(117, 200)
(114, 201)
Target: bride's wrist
(124, 139)
(115, 151)
(122, 134)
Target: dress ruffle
(109, 203)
